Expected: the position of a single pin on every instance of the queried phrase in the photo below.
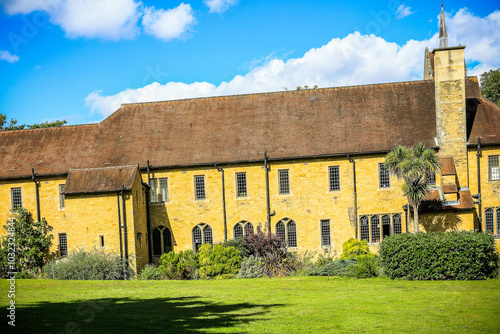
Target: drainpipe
(125, 230)
(37, 185)
(223, 201)
(478, 196)
(119, 225)
(148, 217)
(269, 214)
(351, 160)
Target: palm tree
(414, 165)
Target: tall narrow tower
(449, 83)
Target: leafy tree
(25, 248)
(12, 124)
(490, 85)
(415, 165)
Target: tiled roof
(447, 166)
(98, 180)
(288, 124)
(432, 202)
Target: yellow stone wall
(449, 69)
(490, 190)
(84, 218)
(309, 201)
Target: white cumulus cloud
(168, 24)
(5, 55)
(403, 11)
(219, 6)
(352, 60)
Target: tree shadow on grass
(125, 315)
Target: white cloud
(168, 24)
(352, 60)
(107, 19)
(219, 6)
(403, 11)
(5, 55)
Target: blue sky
(80, 59)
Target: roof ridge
(106, 167)
(269, 93)
(51, 127)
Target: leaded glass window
(325, 233)
(292, 234)
(284, 181)
(17, 198)
(241, 184)
(493, 168)
(153, 184)
(199, 186)
(375, 222)
(384, 176)
(334, 178)
(488, 220)
(238, 231)
(280, 230)
(396, 224)
(364, 228)
(164, 190)
(63, 245)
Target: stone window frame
(243, 228)
(368, 233)
(286, 230)
(493, 168)
(16, 197)
(62, 198)
(284, 181)
(492, 216)
(241, 184)
(384, 178)
(204, 232)
(325, 231)
(63, 245)
(162, 240)
(199, 188)
(334, 178)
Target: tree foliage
(415, 165)
(29, 241)
(490, 85)
(13, 125)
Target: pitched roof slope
(98, 180)
(236, 128)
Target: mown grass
(279, 305)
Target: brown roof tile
(486, 123)
(98, 180)
(447, 166)
(292, 124)
(432, 202)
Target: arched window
(197, 240)
(280, 230)
(248, 229)
(202, 234)
(292, 234)
(498, 221)
(364, 228)
(207, 235)
(375, 220)
(488, 220)
(162, 240)
(386, 226)
(156, 242)
(396, 224)
(167, 240)
(286, 230)
(238, 231)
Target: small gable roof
(100, 180)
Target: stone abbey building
(307, 165)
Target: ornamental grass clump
(455, 255)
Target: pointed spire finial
(443, 35)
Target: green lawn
(279, 305)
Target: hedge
(456, 255)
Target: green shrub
(240, 245)
(251, 267)
(456, 255)
(218, 261)
(335, 268)
(95, 265)
(366, 266)
(182, 265)
(150, 272)
(353, 248)
(304, 262)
